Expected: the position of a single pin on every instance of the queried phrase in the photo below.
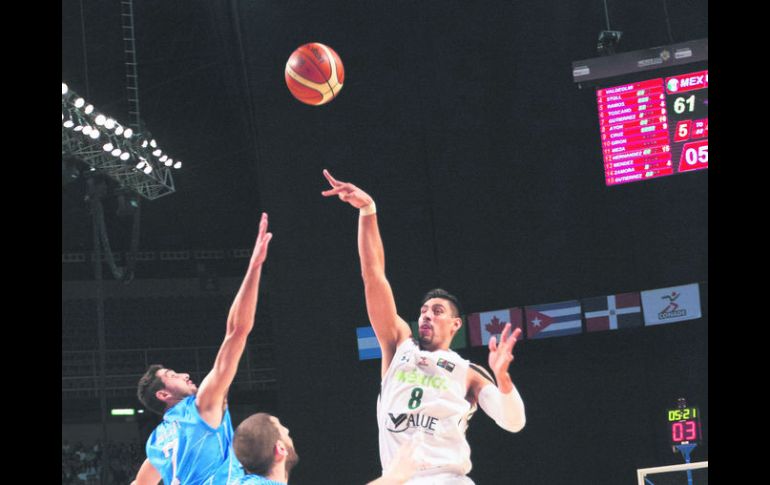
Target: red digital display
(684, 431)
(684, 425)
(648, 127)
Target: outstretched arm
(390, 329)
(502, 402)
(211, 395)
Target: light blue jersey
(185, 449)
(230, 472)
(255, 480)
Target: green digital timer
(680, 414)
(684, 424)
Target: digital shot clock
(683, 424)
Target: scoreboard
(652, 107)
(654, 127)
(684, 425)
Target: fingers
(493, 344)
(331, 179)
(504, 334)
(512, 341)
(336, 190)
(262, 225)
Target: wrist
(504, 382)
(368, 209)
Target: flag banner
(483, 325)
(553, 319)
(673, 304)
(368, 347)
(459, 341)
(612, 312)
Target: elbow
(238, 329)
(367, 275)
(514, 425)
(518, 426)
(372, 275)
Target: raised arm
(210, 399)
(390, 329)
(502, 402)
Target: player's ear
(280, 450)
(162, 395)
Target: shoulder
(480, 374)
(408, 345)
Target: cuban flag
(612, 312)
(368, 347)
(482, 326)
(553, 319)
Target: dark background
(462, 120)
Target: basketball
(314, 74)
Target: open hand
(263, 239)
(406, 461)
(501, 356)
(347, 192)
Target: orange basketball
(314, 74)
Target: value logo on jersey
(402, 422)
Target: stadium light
(121, 153)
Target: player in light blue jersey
(195, 437)
(266, 455)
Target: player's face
(282, 430)
(437, 324)
(178, 384)
(292, 458)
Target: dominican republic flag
(482, 326)
(553, 319)
(368, 347)
(612, 312)
(459, 341)
(674, 304)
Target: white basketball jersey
(424, 392)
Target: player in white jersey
(426, 388)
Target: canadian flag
(482, 326)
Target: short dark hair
(254, 441)
(149, 384)
(440, 293)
